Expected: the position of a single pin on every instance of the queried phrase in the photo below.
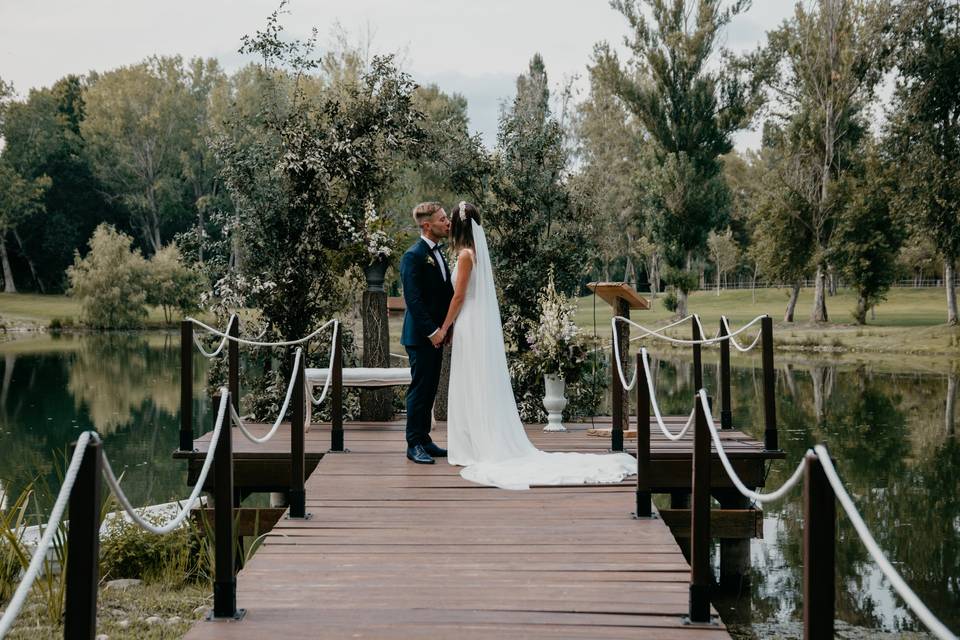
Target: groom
(427, 291)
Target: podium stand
(622, 297)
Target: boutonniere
(430, 261)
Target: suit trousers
(425, 364)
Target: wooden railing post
(616, 396)
(336, 405)
(186, 385)
(726, 413)
(697, 359)
(83, 548)
(819, 543)
(644, 508)
(770, 439)
(700, 577)
(297, 498)
(233, 374)
(225, 553)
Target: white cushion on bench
(363, 376)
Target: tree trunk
(654, 275)
(792, 303)
(8, 286)
(33, 269)
(948, 281)
(860, 315)
(819, 311)
(718, 280)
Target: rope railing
(39, 555)
(86, 439)
(257, 343)
(174, 523)
(900, 586)
(326, 383)
(237, 420)
(839, 491)
(733, 340)
(658, 333)
(656, 407)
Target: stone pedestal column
(376, 404)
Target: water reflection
(892, 435)
(124, 386)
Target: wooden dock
(398, 550)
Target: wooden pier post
(186, 385)
(726, 413)
(644, 507)
(297, 496)
(819, 544)
(770, 439)
(336, 404)
(83, 548)
(697, 358)
(225, 553)
(700, 578)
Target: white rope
(703, 332)
(657, 333)
(402, 357)
(256, 343)
(223, 342)
(733, 340)
(663, 328)
(616, 357)
(197, 488)
(742, 488)
(20, 595)
(283, 410)
(901, 587)
(656, 408)
(326, 383)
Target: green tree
(19, 199)
(529, 214)
(783, 243)
(690, 108)
(925, 128)
(172, 284)
(823, 66)
(110, 281)
(724, 251)
(609, 146)
(142, 128)
(42, 136)
(867, 238)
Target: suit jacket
(425, 292)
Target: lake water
(890, 432)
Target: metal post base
(236, 617)
(338, 450)
(714, 622)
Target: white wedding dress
(484, 431)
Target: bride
(484, 431)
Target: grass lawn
(35, 311)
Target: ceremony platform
(398, 550)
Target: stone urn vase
(554, 401)
(375, 274)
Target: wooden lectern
(622, 297)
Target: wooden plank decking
(398, 550)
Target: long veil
(484, 430)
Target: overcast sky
(474, 48)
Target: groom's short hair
(424, 210)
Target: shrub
(128, 551)
(109, 281)
(171, 284)
(670, 301)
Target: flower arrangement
(376, 237)
(557, 347)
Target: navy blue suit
(427, 295)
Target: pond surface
(891, 432)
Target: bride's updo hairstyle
(461, 230)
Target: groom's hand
(438, 338)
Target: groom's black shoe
(435, 451)
(419, 455)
